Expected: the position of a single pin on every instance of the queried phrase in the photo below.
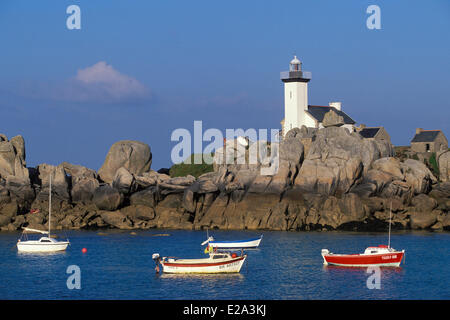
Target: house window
(427, 147)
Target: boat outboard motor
(156, 258)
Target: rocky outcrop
(60, 182)
(444, 166)
(124, 181)
(107, 198)
(345, 182)
(418, 176)
(138, 213)
(327, 179)
(12, 158)
(422, 214)
(13, 172)
(175, 185)
(291, 155)
(83, 182)
(20, 191)
(148, 197)
(337, 160)
(170, 213)
(147, 179)
(389, 177)
(116, 219)
(134, 156)
(332, 119)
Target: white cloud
(108, 83)
(99, 83)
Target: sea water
(287, 265)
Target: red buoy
(84, 250)
(233, 255)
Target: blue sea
(287, 266)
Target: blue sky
(140, 69)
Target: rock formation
(332, 119)
(134, 156)
(327, 179)
(444, 166)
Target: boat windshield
(219, 256)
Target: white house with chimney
(297, 111)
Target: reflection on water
(40, 254)
(200, 276)
(386, 269)
(349, 273)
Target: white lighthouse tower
(295, 96)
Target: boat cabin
(40, 240)
(47, 240)
(222, 255)
(217, 256)
(377, 250)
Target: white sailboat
(46, 243)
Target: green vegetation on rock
(187, 167)
(434, 167)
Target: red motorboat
(373, 256)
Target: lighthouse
(295, 96)
(297, 112)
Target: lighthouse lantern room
(295, 96)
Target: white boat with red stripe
(217, 262)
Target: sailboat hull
(36, 246)
(391, 259)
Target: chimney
(336, 105)
(419, 130)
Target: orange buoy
(84, 250)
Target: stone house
(374, 133)
(429, 141)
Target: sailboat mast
(390, 215)
(49, 205)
